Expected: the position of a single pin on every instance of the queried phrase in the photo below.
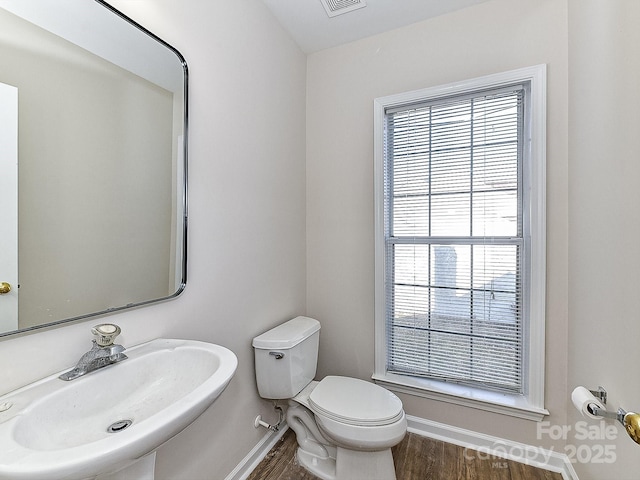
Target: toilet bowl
(345, 427)
(357, 414)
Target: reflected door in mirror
(8, 207)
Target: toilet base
(324, 468)
(350, 465)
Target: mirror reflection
(96, 204)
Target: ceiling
(310, 26)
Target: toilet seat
(355, 402)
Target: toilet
(345, 427)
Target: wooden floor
(416, 458)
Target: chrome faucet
(104, 352)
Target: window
(460, 241)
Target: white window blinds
(454, 239)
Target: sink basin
(108, 419)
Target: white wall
(342, 82)
(246, 225)
(604, 174)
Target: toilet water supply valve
(258, 422)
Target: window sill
(502, 403)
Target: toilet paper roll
(582, 398)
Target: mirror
(101, 163)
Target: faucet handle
(106, 333)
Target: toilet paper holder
(630, 420)
(600, 394)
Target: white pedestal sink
(111, 420)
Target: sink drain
(119, 426)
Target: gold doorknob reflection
(632, 426)
(4, 288)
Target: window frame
(529, 405)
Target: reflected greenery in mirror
(102, 149)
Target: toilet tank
(286, 358)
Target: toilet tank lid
(288, 334)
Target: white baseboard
(255, 456)
(477, 443)
(486, 445)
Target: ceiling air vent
(338, 7)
